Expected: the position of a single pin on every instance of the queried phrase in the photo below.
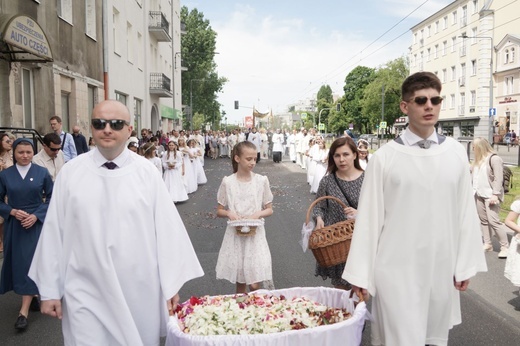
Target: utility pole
(382, 108)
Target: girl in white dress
(244, 260)
(310, 162)
(173, 165)
(512, 269)
(363, 154)
(320, 156)
(190, 178)
(149, 153)
(197, 164)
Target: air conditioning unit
(472, 109)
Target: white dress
(244, 259)
(190, 177)
(512, 269)
(173, 177)
(311, 163)
(197, 165)
(157, 163)
(320, 169)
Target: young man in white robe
(113, 253)
(417, 239)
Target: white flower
(254, 314)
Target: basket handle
(316, 201)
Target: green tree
(390, 76)
(200, 83)
(324, 104)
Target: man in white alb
(417, 238)
(113, 252)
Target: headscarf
(18, 141)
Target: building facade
(50, 63)
(464, 45)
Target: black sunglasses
(116, 124)
(54, 149)
(421, 100)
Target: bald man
(114, 251)
(79, 140)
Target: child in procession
(244, 260)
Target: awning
(170, 113)
(22, 39)
(459, 119)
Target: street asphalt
(490, 308)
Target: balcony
(160, 85)
(159, 27)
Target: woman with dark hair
(343, 180)
(6, 161)
(28, 188)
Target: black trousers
(277, 156)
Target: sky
(277, 52)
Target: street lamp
(490, 129)
(319, 118)
(191, 99)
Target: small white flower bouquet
(246, 227)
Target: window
(65, 110)
(467, 129)
(512, 56)
(139, 54)
(462, 99)
(475, 6)
(428, 54)
(444, 75)
(464, 17)
(121, 97)
(115, 31)
(473, 100)
(474, 36)
(92, 98)
(506, 56)
(436, 51)
(452, 101)
(453, 73)
(437, 26)
(463, 70)
(447, 129)
(27, 98)
(90, 18)
(65, 10)
(444, 47)
(454, 17)
(453, 43)
(429, 31)
(415, 38)
(129, 42)
(445, 22)
(138, 105)
(443, 104)
(414, 63)
(508, 85)
(473, 67)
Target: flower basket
(330, 245)
(246, 227)
(348, 332)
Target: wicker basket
(251, 223)
(331, 244)
(252, 231)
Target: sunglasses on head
(421, 100)
(115, 124)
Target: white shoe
(503, 253)
(487, 247)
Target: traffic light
(236, 104)
(338, 107)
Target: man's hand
(172, 304)
(461, 285)
(51, 308)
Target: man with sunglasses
(113, 252)
(417, 239)
(67, 143)
(51, 156)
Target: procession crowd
(73, 257)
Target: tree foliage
(200, 83)
(391, 76)
(324, 104)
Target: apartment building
(50, 62)
(472, 45)
(143, 63)
(62, 57)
